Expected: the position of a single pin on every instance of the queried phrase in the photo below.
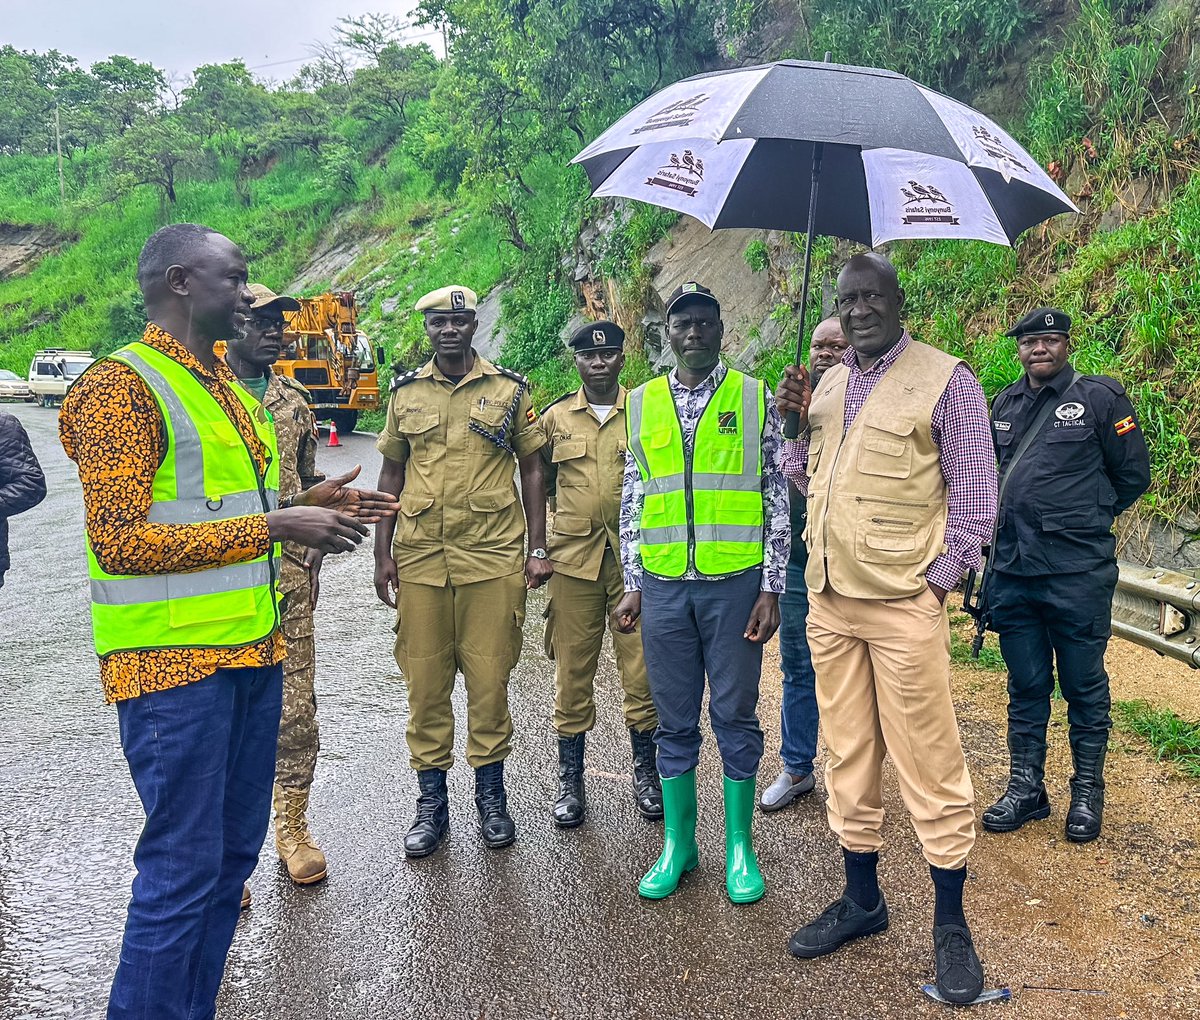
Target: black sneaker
(842, 921)
(959, 973)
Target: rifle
(975, 602)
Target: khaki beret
(448, 299)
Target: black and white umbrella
(891, 159)
(735, 149)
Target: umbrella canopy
(735, 149)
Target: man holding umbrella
(896, 459)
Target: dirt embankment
(22, 247)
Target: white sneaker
(786, 789)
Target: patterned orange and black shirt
(111, 427)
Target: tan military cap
(264, 296)
(448, 299)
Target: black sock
(861, 884)
(948, 890)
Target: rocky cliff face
(21, 247)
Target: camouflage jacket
(296, 432)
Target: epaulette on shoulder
(403, 380)
(512, 375)
(1108, 382)
(291, 383)
(558, 400)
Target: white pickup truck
(52, 372)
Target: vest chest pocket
(570, 456)
(886, 449)
(816, 444)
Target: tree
(370, 34)
(28, 107)
(153, 152)
(225, 97)
(126, 90)
(400, 75)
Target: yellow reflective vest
(703, 508)
(208, 473)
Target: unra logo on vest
(1069, 411)
(727, 423)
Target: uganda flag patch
(1126, 424)
(531, 414)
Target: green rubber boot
(680, 853)
(743, 880)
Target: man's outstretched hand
(368, 505)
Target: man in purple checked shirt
(895, 456)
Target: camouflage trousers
(299, 739)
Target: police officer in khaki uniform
(457, 568)
(251, 357)
(585, 461)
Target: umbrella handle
(791, 421)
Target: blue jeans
(202, 757)
(694, 629)
(798, 714)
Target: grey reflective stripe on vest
(634, 419)
(126, 591)
(704, 533)
(189, 456)
(193, 511)
(707, 480)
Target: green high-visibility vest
(208, 473)
(704, 508)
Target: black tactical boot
(647, 789)
(1025, 800)
(1087, 790)
(432, 822)
(568, 810)
(495, 824)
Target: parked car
(52, 372)
(13, 387)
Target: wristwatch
(538, 554)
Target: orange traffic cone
(333, 437)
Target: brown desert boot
(293, 842)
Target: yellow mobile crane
(324, 350)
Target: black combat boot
(1087, 789)
(1025, 800)
(495, 824)
(647, 789)
(432, 822)
(568, 810)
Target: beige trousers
(475, 628)
(575, 620)
(883, 685)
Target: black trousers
(1063, 621)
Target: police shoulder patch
(403, 380)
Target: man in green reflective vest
(179, 469)
(705, 535)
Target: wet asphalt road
(551, 927)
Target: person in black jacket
(22, 484)
(1054, 567)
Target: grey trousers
(691, 629)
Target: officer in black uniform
(1053, 563)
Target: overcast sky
(178, 37)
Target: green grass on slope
(83, 297)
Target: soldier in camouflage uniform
(251, 358)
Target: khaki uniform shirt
(585, 460)
(460, 519)
(296, 433)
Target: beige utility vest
(876, 496)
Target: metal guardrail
(1160, 610)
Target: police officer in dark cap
(1071, 458)
(585, 461)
